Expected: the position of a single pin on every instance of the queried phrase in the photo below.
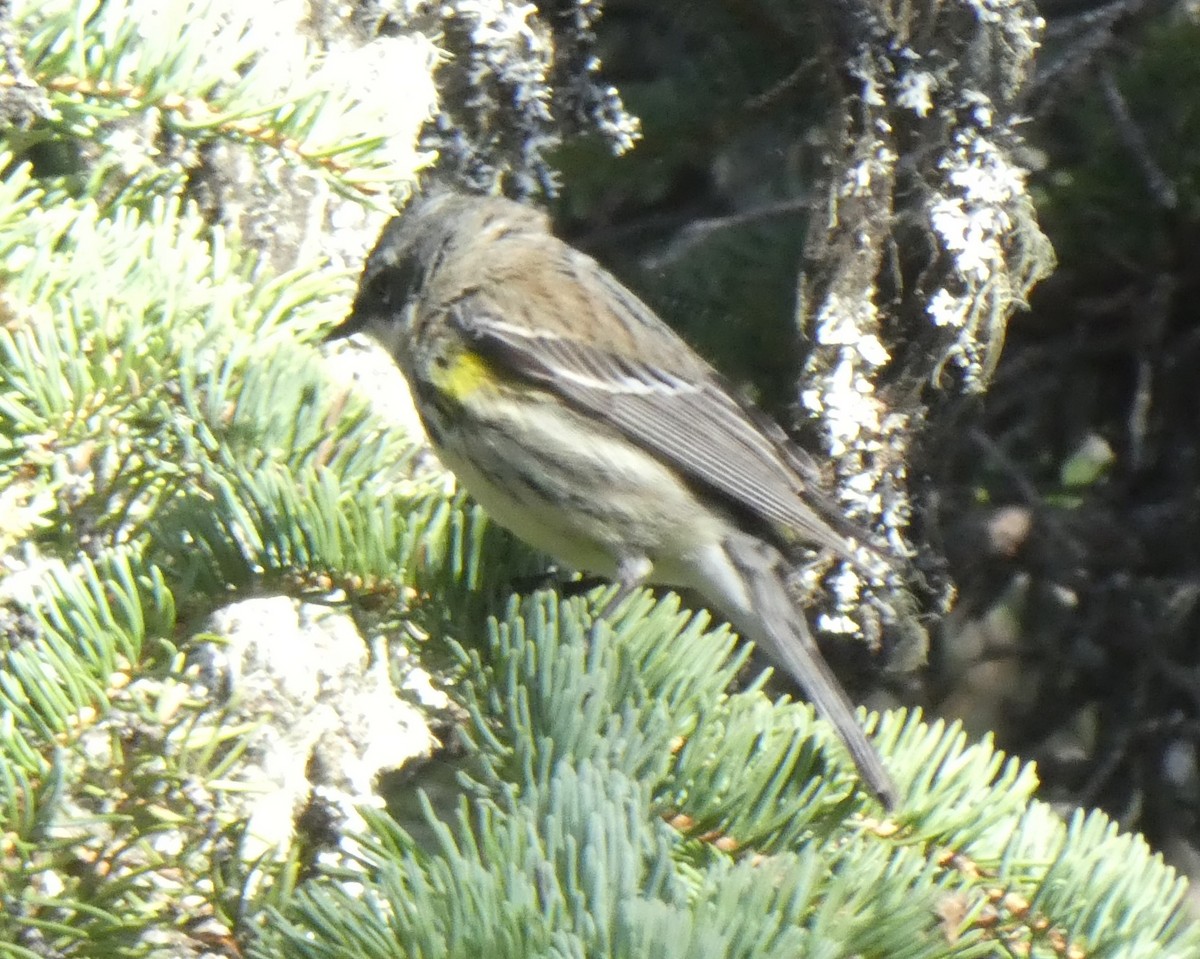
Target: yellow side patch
(459, 375)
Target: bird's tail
(767, 615)
(796, 651)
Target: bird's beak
(353, 323)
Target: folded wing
(689, 418)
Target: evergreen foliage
(170, 436)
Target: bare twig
(1082, 39)
(698, 231)
(1161, 187)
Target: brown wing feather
(693, 422)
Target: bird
(590, 429)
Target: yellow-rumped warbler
(586, 426)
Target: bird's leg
(553, 578)
(581, 586)
(632, 572)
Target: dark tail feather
(782, 633)
(799, 655)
